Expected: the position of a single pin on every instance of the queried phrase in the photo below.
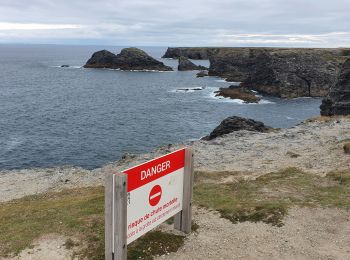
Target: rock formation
(281, 72)
(338, 100)
(127, 59)
(202, 73)
(194, 53)
(236, 92)
(186, 64)
(236, 123)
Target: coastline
(314, 146)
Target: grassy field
(268, 197)
(79, 213)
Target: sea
(54, 116)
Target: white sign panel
(155, 193)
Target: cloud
(36, 26)
(175, 23)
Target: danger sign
(155, 193)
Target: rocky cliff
(194, 53)
(186, 64)
(338, 100)
(281, 72)
(127, 59)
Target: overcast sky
(308, 23)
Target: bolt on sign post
(139, 199)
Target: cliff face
(194, 53)
(127, 59)
(186, 64)
(286, 73)
(338, 100)
(281, 72)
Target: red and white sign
(155, 191)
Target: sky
(285, 23)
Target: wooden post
(183, 220)
(109, 184)
(115, 216)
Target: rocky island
(237, 92)
(127, 59)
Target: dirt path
(307, 234)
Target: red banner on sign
(157, 168)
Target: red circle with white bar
(155, 195)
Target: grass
(77, 213)
(269, 197)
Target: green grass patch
(268, 198)
(77, 213)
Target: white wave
(265, 101)
(289, 118)
(188, 90)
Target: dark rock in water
(235, 92)
(202, 73)
(136, 59)
(127, 59)
(235, 123)
(102, 59)
(338, 100)
(186, 64)
(64, 66)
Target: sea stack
(338, 100)
(186, 64)
(127, 59)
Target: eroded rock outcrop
(338, 100)
(186, 64)
(282, 72)
(194, 53)
(286, 73)
(127, 59)
(236, 123)
(236, 92)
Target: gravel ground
(308, 233)
(315, 147)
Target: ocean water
(53, 116)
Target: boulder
(235, 92)
(235, 123)
(338, 100)
(186, 64)
(65, 66)
(346, 148)
(127, 59)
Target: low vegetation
(79, 213)
(268, 197)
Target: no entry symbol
(155, 195)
